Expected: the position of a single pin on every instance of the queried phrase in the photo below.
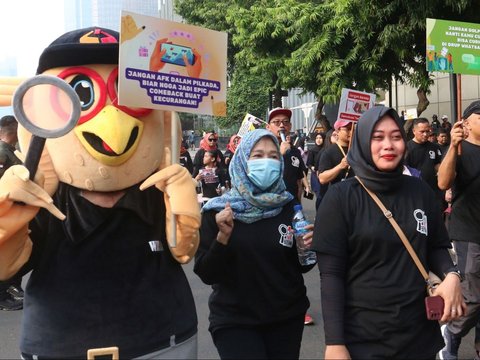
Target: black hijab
(360, 156)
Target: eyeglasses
(215, 140)
(92, 91)
(277, 122)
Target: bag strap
(401, 234)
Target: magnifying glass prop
(47, 107)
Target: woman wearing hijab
(313, 156)
(372, 291)
(247, 253)
(231, 147)
(208, 143)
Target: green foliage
(323, 46)
(248, 93)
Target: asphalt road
(312, 343)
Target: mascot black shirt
(104, 277)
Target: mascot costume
(93, 224)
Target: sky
(26, 28)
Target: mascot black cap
(94, 45)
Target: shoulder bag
(434, 304)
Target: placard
(453, 47)
(171, 66)
(249, 123)
(354, 103)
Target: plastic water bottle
(299, 222)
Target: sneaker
(308, 320)
(11, 304)
(16, 292)
(452, 343)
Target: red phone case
(434, 306)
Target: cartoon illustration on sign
(168, 65)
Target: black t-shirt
(425, 157)
(186, 161)
(198, 161)
(465, 216)
(227, 156)
(331, 157)
(443, 149)
(7, 157)
(384, 292)
(104, 277)
(294, 170)
(256, 278)
(212, 179)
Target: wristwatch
(457, 273)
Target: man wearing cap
(445, 123)
(279, 123)
(333, 165)
(460, 171)
(424, 155)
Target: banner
(171, 66)
(453, 47)
(354, 103)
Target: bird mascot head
(112, 147)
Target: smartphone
(174, 54)
(434, 306)
(308, 195)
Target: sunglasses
(215, 140)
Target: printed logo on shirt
(286, 235)
(295, 161)
(155, 245)
(209, 175)
(421, 218)
(432, 154)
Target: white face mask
(264, 172)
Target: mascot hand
(187, 239)
(180, 201)
(177, 183)
(15, 185)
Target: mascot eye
(83, 86)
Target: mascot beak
(112, 136)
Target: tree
(364, 44)
(248, 93)
(323, 46)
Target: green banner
(453, 47)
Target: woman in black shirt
(248, 254)
(372, 292)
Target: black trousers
(273, 341)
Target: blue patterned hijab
(249, 203)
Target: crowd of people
(372, 292)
